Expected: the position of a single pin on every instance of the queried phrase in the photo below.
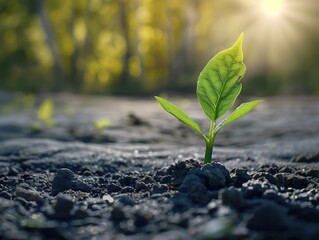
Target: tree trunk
(172, 74)
(125, 77)
(47, 28)
(187, 56)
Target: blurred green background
(148, 46)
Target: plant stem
(210, 144)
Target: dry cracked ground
(143, 178)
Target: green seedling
(46, 112)
(218, 87)
(101, 124)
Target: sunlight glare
(276, 33)
(272, 8)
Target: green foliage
(179, 114)
(239, 112)
(101, 124)
(113, 46)
(46, 112)
(219, 83)
(218, 87)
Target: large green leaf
(239, 112)
(179, 114)
(219, 83)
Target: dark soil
(143, 177)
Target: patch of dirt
(143, 177)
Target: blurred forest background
(148, 46)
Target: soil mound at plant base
(52, 189)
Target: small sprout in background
(101, 124)
(218, 87)
(46, 112)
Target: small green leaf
(101, 124)
(46, 111)
(179, 114)
(239, 112)
(219, 83)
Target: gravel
(137, 181)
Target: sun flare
(272, 8)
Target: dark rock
(47, 210)
(188, 181)
(291, 180)
(139, 186)
(5, 194)
(271, 194)
(126, 201)
(214, 175)
(160, 176)
(312, 158)
(180, 219)
(20, 209)
(198, 194)
(313, 173)
(116, 176)
(147, 179)
(240, 176)
(272, 169)
(231, 197)
(13, 171)
(87, 173)
(181, 203)
(159, 188)
(142, 218)
(63, 206)
(65, 179)
(134, 120)
(80, 214)
(285, 170)
(315, 199)
(265, 176)
(270, 217)
(9, 230)
(111, 188)
(254, 188)
(127, 189)
(305, 212)
(23, 202)
(179, 170)
(195, 190)
(117, 214)
(128, 181)
(27, 194)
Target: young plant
(101, 124)
(218, 87)
(46, 112)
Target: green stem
(210, 144)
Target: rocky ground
(143, 177)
